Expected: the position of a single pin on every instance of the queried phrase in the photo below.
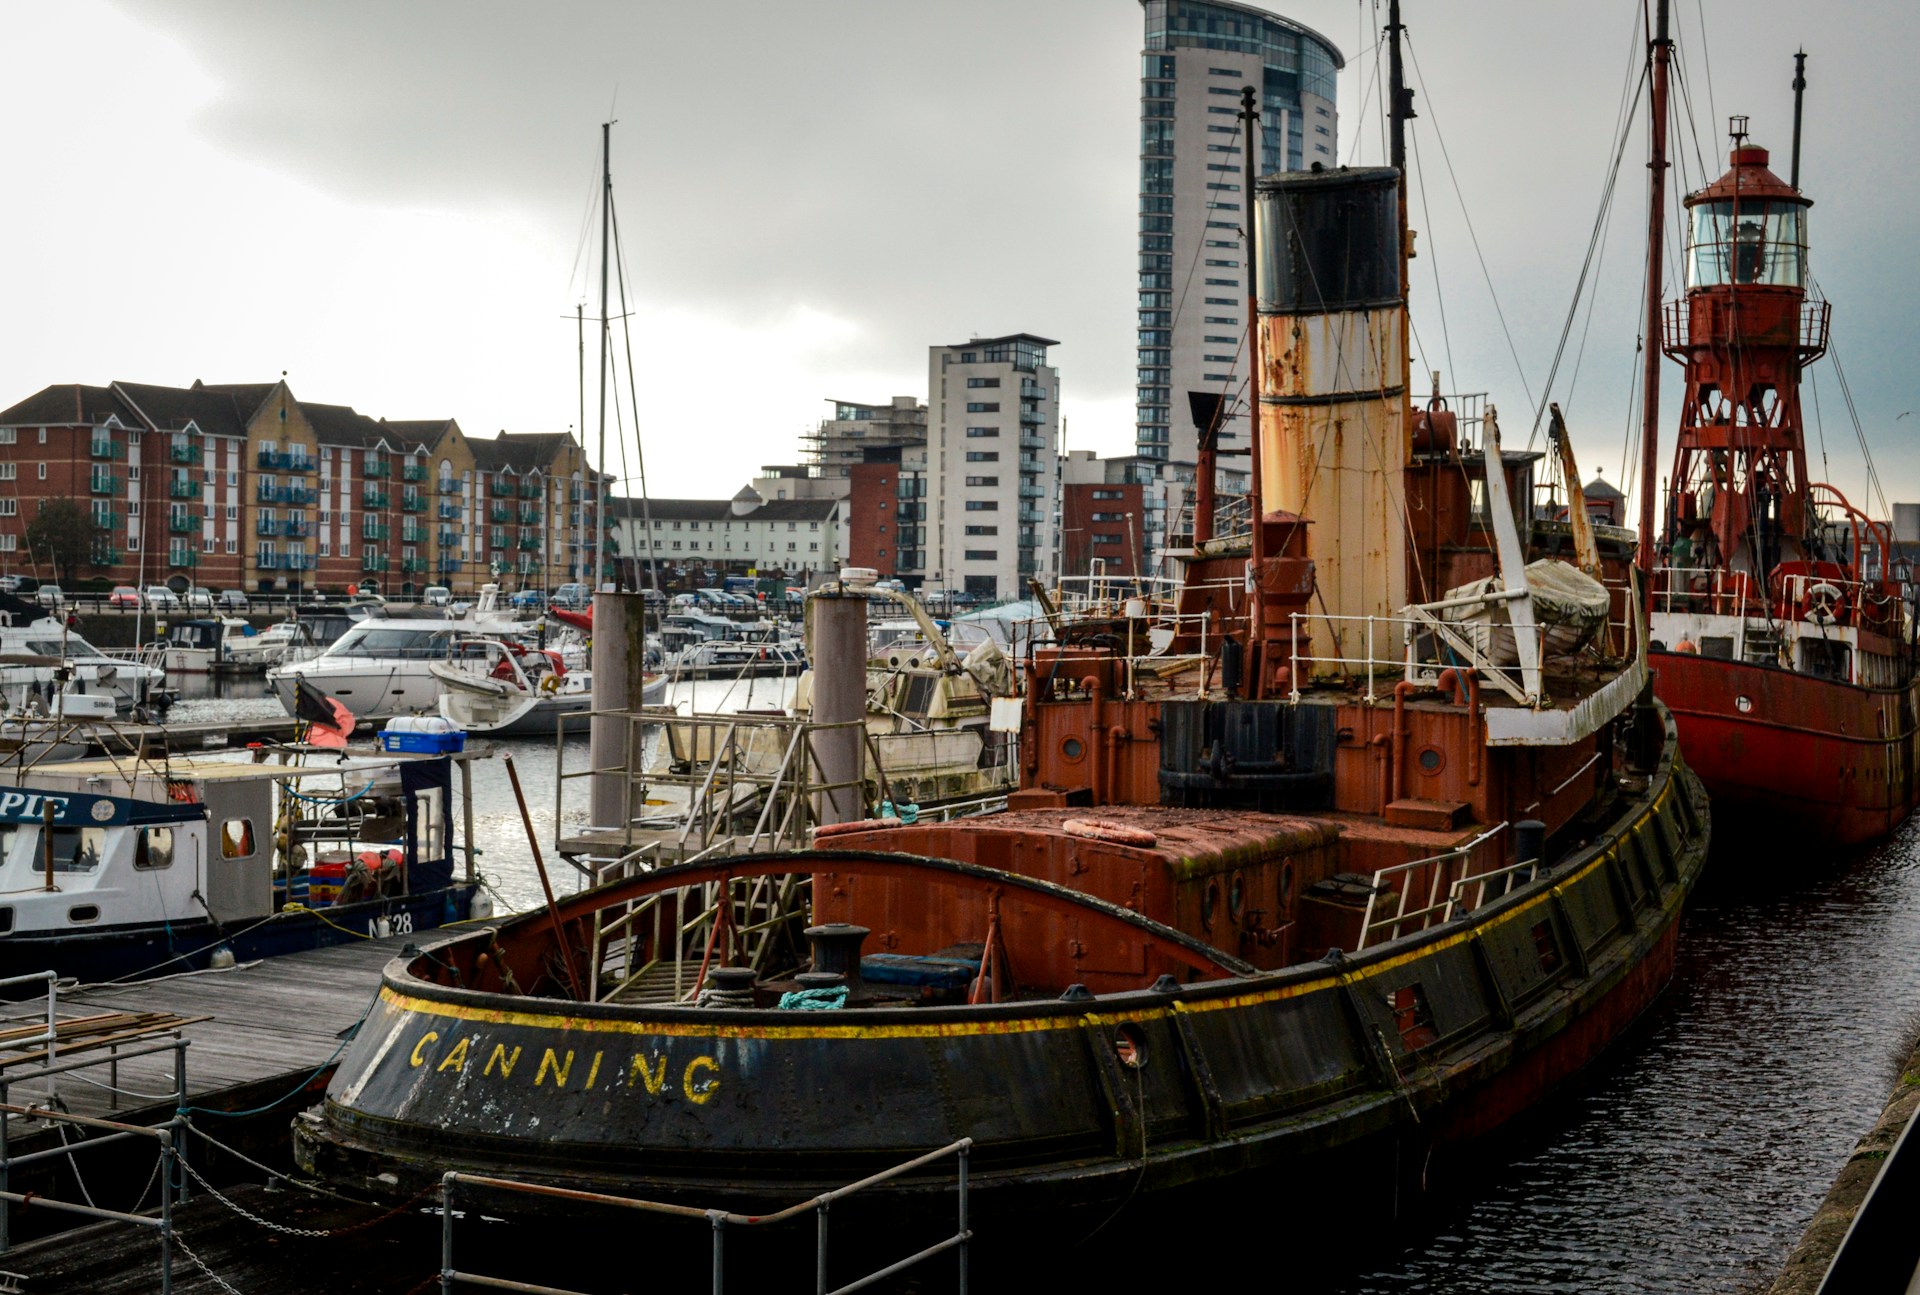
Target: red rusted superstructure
(1782, 644)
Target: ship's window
(6, 920)
(1718, 646)
(1236, 897)
(9, 833)
(1825, 658)
(1748, 242)
(1072, 748)
(1431, 760)
(236, 838)
(1285, 895)
(1209, 901)
(427, 825)
(84, 913)
(78, 849)
(153, 848)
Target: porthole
(84, 913)
(1743, 704)
(1209, 900)
(1431, 760)
(1236, 897)
(1283, 900)
(1073, 748)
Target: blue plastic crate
(424, 743)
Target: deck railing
(719, 1221)
(1447, 873)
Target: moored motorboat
(1301, 888)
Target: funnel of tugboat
(1334, 438)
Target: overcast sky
(393, 202)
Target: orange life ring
(858, 825)
(1105, 829)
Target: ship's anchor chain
(201, 1264)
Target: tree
(64, 535)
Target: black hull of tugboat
(1275, 1086)
(161, 948)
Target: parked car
(436, 596)
(50, 596)
(125, 597)
(12, 584)
(573, 597)
(530, 599)
(199, 599)
(159, 598)
(232, 601)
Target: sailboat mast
(600, 485)
(1661, 49)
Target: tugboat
(1781, 641)
(1316, 870)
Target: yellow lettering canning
(655, 1080)
(593, 1072)
(507, 1063)
(560, 1069)
(701, 1094)
(456, 1060)
(429, 1037)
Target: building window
(983, 530)
(983, 382)
(983, 505)
(233, 546)
(9, 436)
(983, 431)
(43, 472)
(983, 456)
(9, 507)
(8, 471)
(983, 407)
(983, 481)
(983, 555)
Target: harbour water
(1690, 1160)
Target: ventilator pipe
(1378, 741)
(1457, 682)
(1397, 748)
(1115, 736)
(1098, 774)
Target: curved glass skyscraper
(1193, 286)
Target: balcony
(296, 528)
(446, 565)
(529, 516)
(412, 533)
(413, 472)
(447, 486)
(1028, 491)
(300, 562)
(270, 561)
(1029, 567)
(413, 566)
(529, 565)
(105, 447)
(498, 540)
(530, 489)
(448, 510)
(105, 555)
(375, 499)
(376, 470)
(1033, 515)
(501, 513)
(298, 496)
(184, 488)
(528, 542)
(266, 527)
(106, 519)
(1032, 442)
(183, 524)
(412, 504)
(373, 563)
(185, 452)
(446, 539)
(501, 486)
(374, 530)
(299, 462)
(105, 483)
(183, 557)
(270, 460)
(576, 493)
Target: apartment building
(993, 466)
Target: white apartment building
(745, 535)
(993, 466)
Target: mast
(580, 335)
(1256, 615)
(600, 462)
(1799, 93)
(1660, 49)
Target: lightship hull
(1789, 759)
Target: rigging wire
(1439, 298)
(1472, 236)
(633, 389)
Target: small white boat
(504, 689)
(207, 644)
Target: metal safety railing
(719, 1221)
(1447, 875)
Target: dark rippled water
(1694, 1158)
